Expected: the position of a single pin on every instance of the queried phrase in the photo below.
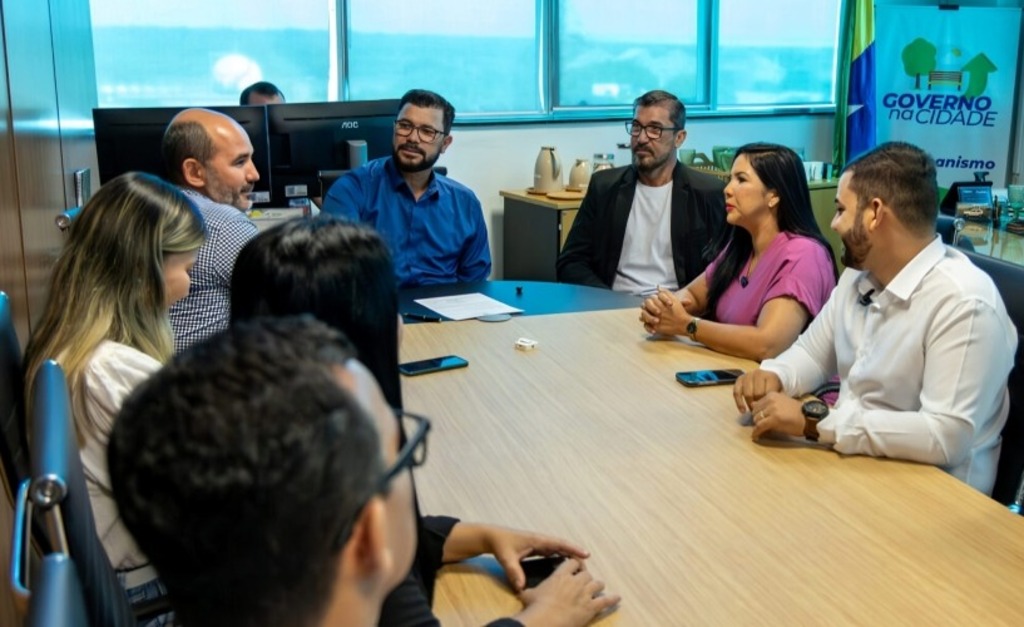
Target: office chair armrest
(19, 573)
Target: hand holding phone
(436, 364)
(701, 378)
(537, 569)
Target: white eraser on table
(525, 344)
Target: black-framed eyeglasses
(426, 134)
(654, 131)
(414, 453)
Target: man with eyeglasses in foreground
(260, 472)
(433, 225)
(648, 224)
(253, 474)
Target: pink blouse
(792, 266)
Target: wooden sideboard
(535, 230)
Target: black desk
(537, 298)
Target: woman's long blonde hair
(108, 283)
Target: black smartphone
(537, 569)
(700, 378)
(436, 364)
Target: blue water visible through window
(154, 66)
(485, 61)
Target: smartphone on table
(537, 569)
(436, 364)
(701, 378)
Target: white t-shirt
(113, 372)
(646, 260)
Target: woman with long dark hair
(774, 273)
(336, 271)
(341, 273)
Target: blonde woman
(126, 260)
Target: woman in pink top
(773, 274)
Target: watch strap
(691, 328)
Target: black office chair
(58, 491)
(13, 447)
(1009, 279)
(57, 599)
(949, 229)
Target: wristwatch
(691, 328)
(813, 410)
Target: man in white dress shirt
(918, 335)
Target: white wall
(489, 158)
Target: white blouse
(113, 371)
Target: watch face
(815, 410)
(691, 328)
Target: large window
(610, 52)
(190, 52)
(785, 56)
(482, 56)
(500, 59)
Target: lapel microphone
(865, 298)
(743, 281)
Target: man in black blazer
(651, 223)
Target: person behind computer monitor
(433, 225)
(209, 156)
(261, 93)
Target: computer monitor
(130, 139)
(973, 192)
(307, 139)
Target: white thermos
(547, 172)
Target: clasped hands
(667, 313)
(760, 393)
(570, 596)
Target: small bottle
(603, 161)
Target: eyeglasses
(654, 131)
(426, 134)
(412, 454)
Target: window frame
(547, 46)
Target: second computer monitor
(129, 139)
(310, 142)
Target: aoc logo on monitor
(350, 124)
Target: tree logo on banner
(921, 60)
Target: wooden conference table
(590, 438)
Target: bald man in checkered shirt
(209, 157)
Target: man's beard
(653, 164)
(234, 197)
(856, 246)
(427, 162)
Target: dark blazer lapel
(621, 207)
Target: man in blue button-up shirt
(433, 225)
